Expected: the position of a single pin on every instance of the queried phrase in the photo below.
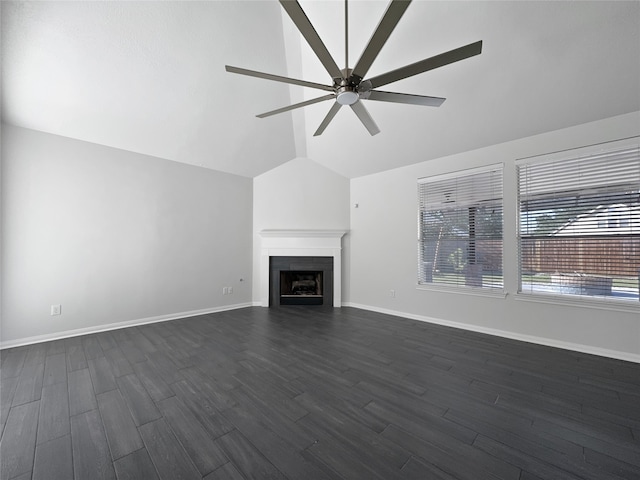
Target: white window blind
(460, 229)
(579, 228)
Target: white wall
(384, 252)
(114, 236)
(300, 194)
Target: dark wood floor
(307, 393)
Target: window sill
(631, 306)
(479, 292)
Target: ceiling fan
(349, 84)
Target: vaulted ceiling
(149, 77)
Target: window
(460, 229)
(579, 228)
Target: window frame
(591, 301)
(461, 288)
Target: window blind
(579, 226)
(460, 229)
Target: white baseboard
(115, 326)
(576, 347)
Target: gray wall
(114, 236)
(384, 253)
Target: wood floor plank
(247, 458)
(53, 421)
(457, 460)
(142, 408)
(91, 457)
(571, 420)
(219, 397)
(118, 362)
(55, 347)
(168, 456)
(12, 362)
(204, 453)
(341, 462)
(53, 459)
(106, 341)
(36, 354)
(219, 373)
(361, 445)
(76, 359)
(17, 446)
(55, 369)
(225, 472)
(24, 476)
(522, 460)
(281, 452)
(611, 465)
(82, 397)
(420, 470)
(425, 425)
(101, 375)
(251, 407)
(92, 348)
(200, 406)
(278, 401)
(539, 446)
(155, 385)
(7, 389)
(29, 388)
(626, 452)
(121, 431)
(132, 353)
(165, 367)
(136, 466)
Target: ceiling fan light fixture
(347, 96)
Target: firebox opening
(300, 281)
(300, 287)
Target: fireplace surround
(305, 245)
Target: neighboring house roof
(614, 219)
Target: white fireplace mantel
(301, 243)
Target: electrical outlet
(56, 309)
(230, 290)
(225, 290)
(392, 293)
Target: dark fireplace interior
(300, 287)
(301, 281)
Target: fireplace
(303, 251)
(300, 281)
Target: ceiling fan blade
(296, 105)
(332, 113)
(388, 22)
(402, 98)
(277, 78)
(365, 118)
(426, 64)
(293, 8)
